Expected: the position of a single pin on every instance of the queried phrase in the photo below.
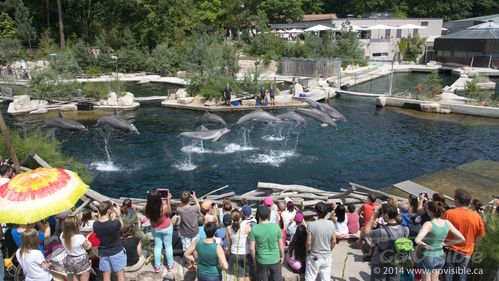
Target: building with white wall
(379, 36)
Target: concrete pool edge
(439, 107)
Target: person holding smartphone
(158, 212)
(188, 229)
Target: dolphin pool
(376, 147)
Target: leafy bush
(44, 84)
(486, 255)
(434, 85)
(411, 48)
(95, 90)
(131, 60)
(10, 49)
(473, 91)
(165, 60)
(48, 149)
(65, 64)
(46, 46)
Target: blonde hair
(29, 241)
(69, 230)
(393, 201)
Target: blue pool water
(376, 147)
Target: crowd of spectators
(250, 242)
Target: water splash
(195, 146)
(185, 164)
(274, 158)
(105, 166)
(234, 147)
(108, 165)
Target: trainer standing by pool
(227, 94)
(272, 95)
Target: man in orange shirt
(470, 224)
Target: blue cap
(246, 210)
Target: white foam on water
(273, 138)
(273, 158)
(234, 147)
(195, 149)
(105, 166)
(184, 166)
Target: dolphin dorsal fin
(203, 128)
(115, 112)
(60, 115)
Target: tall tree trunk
(61, 24)
(47, 8)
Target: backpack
(400, 251)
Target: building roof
(488, 30)
(494, 17)
(310, 17)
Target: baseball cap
(227, 219)
(299, 217)
(268, 201)
(246, 210)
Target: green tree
(282, 11)
(449, 10)
(348, 44)
(434, 84)
(10, 50)
(312, 6)
(7, 26)
(25, 29)
(46, 45)
(411, 48)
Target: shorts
(187, 241)
(243, 269)
(430, 263)
(114, 263)
(76, 265)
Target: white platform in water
(358, 94)
(415, 189)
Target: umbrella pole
(10, 148)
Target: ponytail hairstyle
(70, 229)
(236, 220)
(437, 208)
(127, 205)
(29, 241)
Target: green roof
(494, 17)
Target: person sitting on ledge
(133, 247)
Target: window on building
(387, 33)
(399, 33)
(460, 54)
(415, 32)
(446, 53)
(424, 23)
(380, 55)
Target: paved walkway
(347, 265)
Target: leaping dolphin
(293, 117)
(116, 122)
(210, 118)
(318, 115)
(258, 116)
(311, 102)
(205, 134)
(66, 124)
(329, 110)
